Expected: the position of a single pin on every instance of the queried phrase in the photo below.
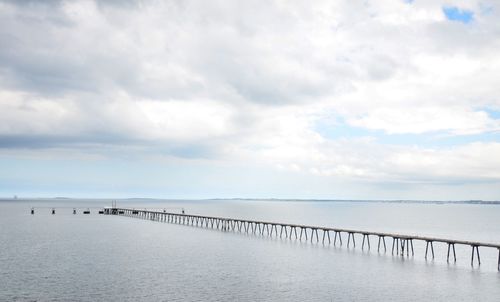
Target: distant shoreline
(476, 202)
(368, 201)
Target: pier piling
(475, 248)
(340, 238)
(349, 235)
(367, 240)
(327, 232)
(383, 240)
(429, 242)
(451, 245)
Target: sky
(385, 99)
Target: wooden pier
(401, 243)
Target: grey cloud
(40, 54)
(222, 62)
(58, 141)
(264, 53)
(259, 52)
(111, 145)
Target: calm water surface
(67, 257)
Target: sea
(76, 257)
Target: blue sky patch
(454, 13)
(436, 139)
(494, 114)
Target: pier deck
(401, 243)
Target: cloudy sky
(341, 99)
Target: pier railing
(401, 243)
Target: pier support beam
(383, 240)
(476, 248)
(335, 238)
(305, 232)
(314, 231)
(281, 231)
(407, 243)
(450, 245)
(367, 240)
(349, 235)
(427, 248)
(275, 227)
(395, 243)
(328, 233)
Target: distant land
(485, 202)
(496, 202)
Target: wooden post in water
(367, 240)
(301, 230)
(325, 231)
(349, 235)
(454, 254)
(427, 247)
(476, 248)
(498, 265)
(383, 240)
(335, 238)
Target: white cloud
(457, 121)
(249, 81)
(181, 120)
